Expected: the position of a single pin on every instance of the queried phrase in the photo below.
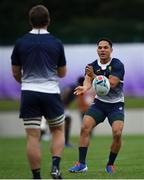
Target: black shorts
(100, 110)
(37, 104)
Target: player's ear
(49, 20)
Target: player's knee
(85, 130)
(117, 133)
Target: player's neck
(40, 27)
(105, 61)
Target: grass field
(130, 165)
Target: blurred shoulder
(116, 62)
(56, 39)
(93, 63)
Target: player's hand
(80, 90)
(89, 71)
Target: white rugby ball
(101, 85)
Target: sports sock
(56, 161)
(82, 154)
(112, 157)
(36, 173)
(67, 128)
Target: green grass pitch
(129, 163)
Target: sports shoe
(79, 167)
(110, 169)
(55, 173)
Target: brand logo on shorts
(120, 108)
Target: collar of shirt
(39, 31)
(103, 66)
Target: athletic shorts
(100, 110)
(34, 105)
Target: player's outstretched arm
(86, 85)
(79, 90)
(114, 81)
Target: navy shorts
(100, 110)
(37, 104)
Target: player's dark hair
(105, 39)
(39, 16)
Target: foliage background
(77, 21)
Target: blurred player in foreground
(38, 60)
(68, 97)
(84, 100)
(110, 106)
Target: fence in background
(12, 126)
(78, 56)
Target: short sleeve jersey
(116, 68)
(39, 55)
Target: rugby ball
(101, 85)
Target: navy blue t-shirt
(39, 55)
(116, 68)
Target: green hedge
(13, 105)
